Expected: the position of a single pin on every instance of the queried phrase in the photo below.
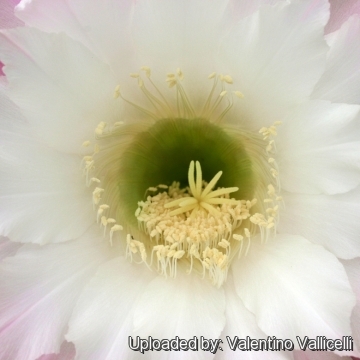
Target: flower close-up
(179, 179)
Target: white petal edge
(7, 247)
(43, 197)
(39, 287)
(186, 306)
(102, 320)
(330, 221)
(62, 89)
(102, 26)
(352, 268)
(241, 322)
(189, 32)
(340, 81)
(279, 74)
(318, 148)
(67, 352)
(295, 288)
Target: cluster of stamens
(162, 108)
(202, 226)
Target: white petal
(318, 148)
(318, 355)
(330, 221)
(352, 268)
(175, 33)
(355, 321)
(181, 34)
(239, 9)
(7, 247)
(63, 90)
(43, 197)
(39, 288)
(273, 67)
(187, 306)
(241, 322)
(103, 317)
(340, 81)
(102, 26)
(295, 288)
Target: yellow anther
(180, 74)
(87, 158)
(171, 82)
(224, 243)
(104, 221)
(140, 82)
(228, 79)
(239, 94)
(86, 143)
(238, 237)
(114, 229)
(212, 75)
(179, 254)
(147, 70)
(117, 91)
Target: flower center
(142, 193)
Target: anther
(95, 180)
(117, 91)
(212, 75)
(239, 94)
(147, 70)
(180, 74)
(228, 79)
(114, 229)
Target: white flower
(129, 234)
